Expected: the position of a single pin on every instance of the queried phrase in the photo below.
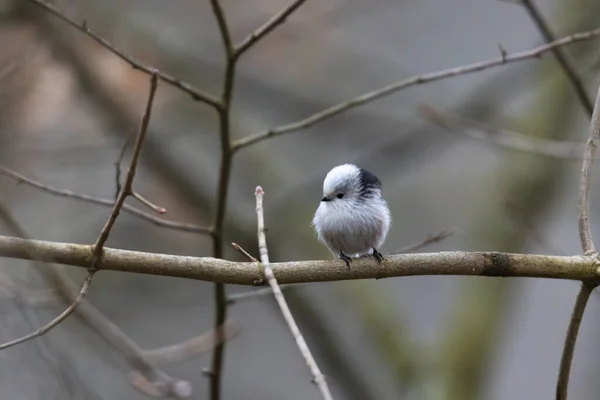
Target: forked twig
(97, 248)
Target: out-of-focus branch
(98, 247)
(105, 202)
(561, 57)
(587, 244)
(318, 377)
(196, 94)
(430, 239)
(503, 137)
(406, 83)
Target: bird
(353, 218)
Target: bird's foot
(377, 255)
(346, 259)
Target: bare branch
(211, 269)
(503, 137)
(97, 249)
(430, 239)
(561, 57)
(585, 231)
(536, 52)
(222, 190)
(318, 377)
(239, 249)
(237, 297)
(570, 340)
(270, 25)
(193, 347)
(118, 166)
(148, 203)
(196, 94)
(105, 202)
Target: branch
(503, 137)
(105, 202)
(406, 83)
(196, 94)
(562, 59)
(587, 244)
(216, 270)
(270, 25)
(318, 377)
(98, 247)
(569, 346)
(585, 231)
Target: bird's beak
(325, 199)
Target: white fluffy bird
(352, 218)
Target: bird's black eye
(340, 195)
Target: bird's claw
(346, 259)
(378, 256)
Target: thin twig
(148, 203)
(97, 249)
(585, 231)
(430, 239)
(271, 24)
(105, 202)
(118, 166)
(571, 338)
(240, 250)
(237, 297)
(318, 377)
(561, 57)
(536, 52)
(195, 93)
(503, 137)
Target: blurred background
(67, 106)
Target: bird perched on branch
(353, 219)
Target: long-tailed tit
(353, 218)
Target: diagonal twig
(563, 61)
(264, 30)
(105, 202)
(97, 248)
(413, 81)
(196, 94)
(318, 377)
(587, 244)
(503, 137)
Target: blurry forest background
(67, 105)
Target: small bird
(352, 218)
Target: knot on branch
(496, 264)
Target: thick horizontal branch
(247, 273)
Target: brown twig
(430, 239)
(587, 244)
(105, 202)
(318, 377)
(222, 190)
(536, 52)
(561, 57)
(271, 24)
(571, 338)
(148, 203)
(196, 94)
(118, 166)
(97, 249)
(503, 137)
(585, 232)
(240, 250)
